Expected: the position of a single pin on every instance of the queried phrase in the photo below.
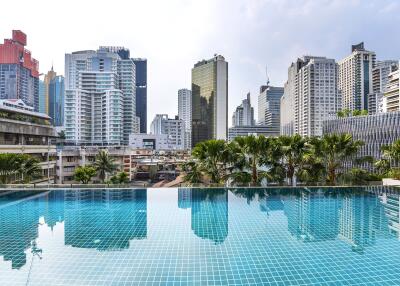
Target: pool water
(301, 236)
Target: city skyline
(272, 33)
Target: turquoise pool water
(337, 236)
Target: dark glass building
(141, 92)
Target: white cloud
(175, 34)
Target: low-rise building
(149, 141)
(239, 131)
(374, 130)
(71, 157)
(24, 131)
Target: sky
(175, 34)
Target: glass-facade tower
(210, 100)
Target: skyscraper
(56, 100)
(19, 72)
(310, 96)
(99, 97)
(392, 91)
(141, 92)
(51, 74)
(269, 106)
(185, 114)
(355, 78)
(380, 78)
(210, 100)
(244, 114)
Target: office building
(185, 114)
(25, 131)
(100, 97)
(210, 100)
(150, 141)
(392, 91)
(56, 100)
(375, 131)
(355, 78)
(19, 71)
(42, 97)
(380, 76)
(244, 113)
(310, 96)
(173, 128)
(141, 92)
(241, 131)
(269, 106)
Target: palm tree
(213, 158)
(253, 149)
(335, 149)
(392, 152)
(27, 167)
(104, 164)
(292, 149)
(192, 172)
(8, 166)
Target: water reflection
(105, 220)
(108, 220)
(18, 227)
(209, 212)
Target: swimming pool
(302, 236)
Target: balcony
(28, 149)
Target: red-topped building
(19, 71)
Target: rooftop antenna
(266, 74)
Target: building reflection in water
(209, 212)
(354, 216)
(18, 226)
(105, 220)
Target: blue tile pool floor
(184, 236)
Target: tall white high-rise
(173, 128)
(99, 98)
(310, 96)
(210, 100)
(380, 80)
(269, 106)
(185, 114)
(355, 78)
(244, 113)
(392, 91)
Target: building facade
(19, 71)
(173, 128)
(100, 97)
(24, 131)
(375, 131)
(355, 78)
(244, 113)
(56, 100)
(269, 106)
(185, 114)
(141, 92)
(392, 91)
(310, 97)
(210, 100)
(241, 131)
(380, 77)
(150, 141)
